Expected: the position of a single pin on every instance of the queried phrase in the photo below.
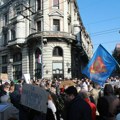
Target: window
(5, 39)
(38, 64)
(13, 34)
(39, 26)
(57, 70)
(17, 71)
(4, 69)
(57, 51)
(38, 4)
(4, 63)
(17, 57)
(56, 3)
(4, 59)
(56, 25)
(6, 18)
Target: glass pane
(57, 65)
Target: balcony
(16, 41)
(52, 34)
(38, 14)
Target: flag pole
(42, 57)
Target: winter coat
(78, 109)
(107, 107)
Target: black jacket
(78, 109)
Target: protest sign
(66, 83)
(34, 97)
(27, 78)
(4, 76)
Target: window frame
(57, 52)
(4, 59)
(38, 25)
(56, 4)
(56, 24)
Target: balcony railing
(57, 34)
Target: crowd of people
(82, 100)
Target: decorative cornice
(56, 13)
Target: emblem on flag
(98, 66)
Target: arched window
(38, 63)
(57, 51)
(37, 53)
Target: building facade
(43, 38)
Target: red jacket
(93, 108)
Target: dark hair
(1, 81)
(71, 90)
(108, 89)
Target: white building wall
(23, 30)
(65, 23)
(20, 29)
(46, 10)
(48, 58)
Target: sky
(101, 18)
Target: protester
(10, 112)
(4, 89)
(108, 104)
(51, 110)
(85, 96)
(77, 108)
(14, 95)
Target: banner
(4, 76)
(27, 78)
(100, 66)
(39, 58)
(34, 97)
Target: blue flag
(100, 66)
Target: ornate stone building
(43, 38)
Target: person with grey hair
(85, 95)
(10, 112)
